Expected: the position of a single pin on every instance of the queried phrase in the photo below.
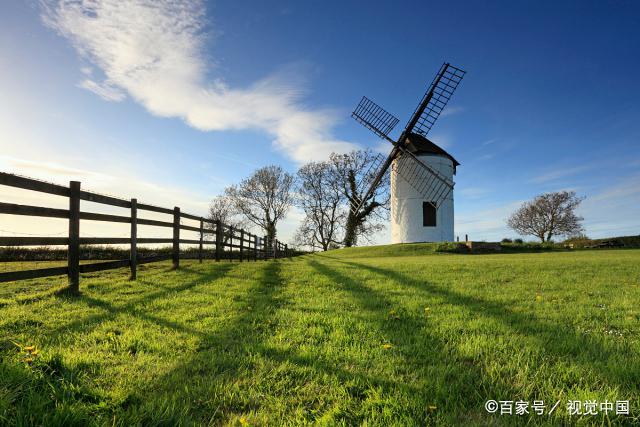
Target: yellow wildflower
(387, 346)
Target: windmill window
(429, 214)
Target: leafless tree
(353, 173)
(548, 215)
(222, 209)
(321, 198)
(264, 198)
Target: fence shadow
(416, 347)
(559, 343)
(217, 363)
(111, 310)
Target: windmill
(421, 172)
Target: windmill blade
(374, 117)
(372, 178)
(428, 182)
(435, 99)
(367, 180)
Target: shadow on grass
(223, 379)
(183, 395)
(47, 391)
(558, 342)
(44, 392)
(416, 346)
(111, 310)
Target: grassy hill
(390, 335)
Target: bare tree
(222, 209)
(353, 173)
(548, 215)
(321, 198)
(264, 198)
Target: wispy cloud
(153, 51)
(486, 224)
(450, 111)
(50, 169)
(443, 140)
(614, 210)
(103, 90)
(561, 172)
(474, 192)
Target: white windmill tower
(421, 172)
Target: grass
(377, 336)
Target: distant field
(395, 335)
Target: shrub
(518, 241)
(506, 240)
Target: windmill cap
(418, 144)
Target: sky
(172, 101)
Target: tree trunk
(271, 232)
(350, 231)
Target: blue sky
(174, 102)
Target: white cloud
(450, 111)
(443, 140)
(104, 90)
(153, 51)
(474, 192)
(555, 174)
(486, 224)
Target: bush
(518, 241)
(506, 240)
(451, 247)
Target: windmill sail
(367, 180)
(435, 99)
(424, 179)
(428, 182)
(374, 117)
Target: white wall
(406, 207)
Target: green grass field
(382, 336)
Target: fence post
(218, 239)
(73, 249)
(241, 243)
(255, 248)
(176, 238)
(231, 231)
(201, 237)
(286, 250)
(133, 254)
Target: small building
(414, 219)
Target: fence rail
(227, 239)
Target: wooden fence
(242, 244)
